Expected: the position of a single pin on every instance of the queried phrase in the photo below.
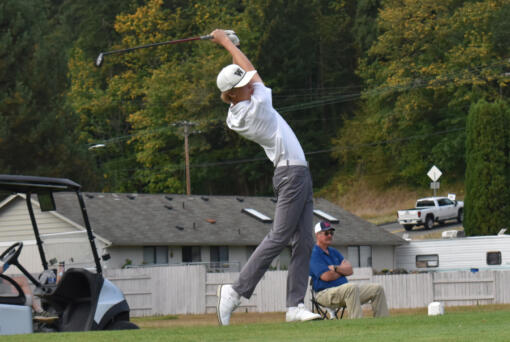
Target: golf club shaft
(99, 59)
(157, 44)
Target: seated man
(328, 269)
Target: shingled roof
(146, 219)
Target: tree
(37, 136)
(310, 67)
(431, 60)
(147, 92)
(134, 101)
(487, 202)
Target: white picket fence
(191, 290)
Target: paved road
(397, 229)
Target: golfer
(251, 114)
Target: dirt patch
(238, 318)
(209, 319)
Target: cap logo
(238, 72)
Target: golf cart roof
(31, 184)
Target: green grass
(479, 325)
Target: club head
(99, 60)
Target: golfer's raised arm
(239, 58)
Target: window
(493, 258)
(444, 201)
(219, 258)
(425, 204)
(219, 253)
(155, 255)
(360, 256)
(191, 254)
(425, 261)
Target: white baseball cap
(233, 76)
(323, 226)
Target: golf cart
(82, 299)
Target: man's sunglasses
(329, 232)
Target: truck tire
(429, 222)
(408, 227)
(460, 216)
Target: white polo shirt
(258, 121)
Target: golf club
(99, 60)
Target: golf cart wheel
(460, 216)
(408, 227)
(122, 325)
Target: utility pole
(187, 132)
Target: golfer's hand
(220, 37)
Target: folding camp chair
(322, 310)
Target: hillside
(379, 205)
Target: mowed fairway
(490, 323)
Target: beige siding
(238, 254)
(15, 224)
(382, 257)
(74, 252)
(119, 256)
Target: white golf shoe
(228, 301)
(300, 314)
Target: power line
(336, 148)
(327, 100)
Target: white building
(145, 229)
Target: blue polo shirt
(319, 263)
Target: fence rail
(192, 290)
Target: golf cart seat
(75, 299)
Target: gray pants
(293, 222)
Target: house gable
(15, 224)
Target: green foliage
(487, 168)
(383, 85)
(365, 25)
(430, 61)
(143, 96)
(37, 136)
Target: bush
(487, 201)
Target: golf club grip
(207, 37)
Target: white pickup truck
(429, 210)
